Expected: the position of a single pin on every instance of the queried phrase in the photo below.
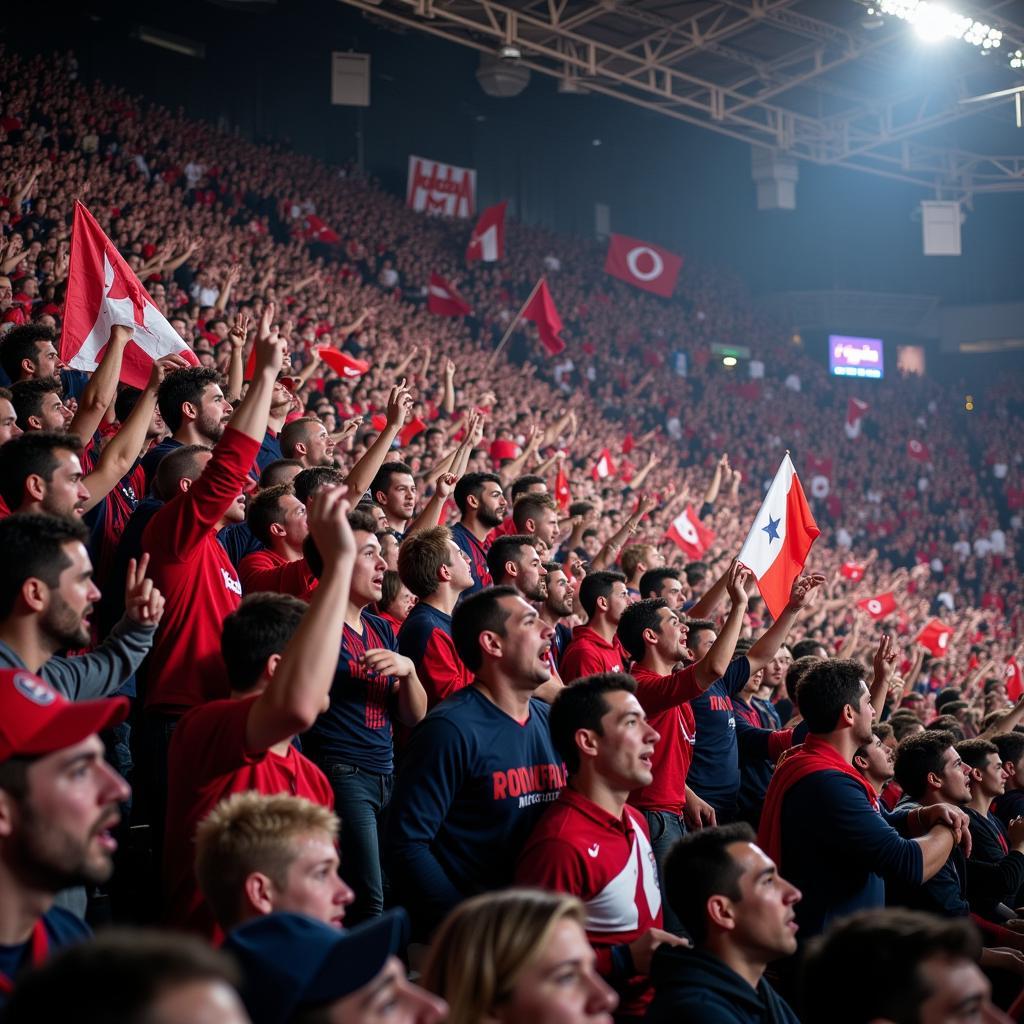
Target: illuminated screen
(855, 357)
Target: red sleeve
(210, 741)
(579, 661)
(663, 692)
(779, 742)
(182, 523)
(260, 571)
(441, 669)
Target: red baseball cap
(35, 719)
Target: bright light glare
(729, 361)
(1017, 60)
(934, 22)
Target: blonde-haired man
(259, 854)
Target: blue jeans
(666, 830)
(360, 799)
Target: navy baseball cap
(290, 961)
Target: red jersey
(197, 580)
(588, 652)
(507, 529)
(207, 762)
(579, 848)
(666, 701)
(267, 570)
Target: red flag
(315, 230)
(443, 299)
(643, 265)
(780, 538)
(819, 466)
(344, 365)
(504, 448)
(918, 451)
(605, 466)
(410, 430)
(541, 311)
(628, 444)
(487, 242)
(852, 571)
(561, 489)
(689, 534)
(378, 421)
(935, 637)
(855, 410)
(1014, 680)
(879, 607)
(103, 292)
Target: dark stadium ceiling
(819, 80)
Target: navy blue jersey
(270, 451)
(151, 460)
(715, 772)
(561, 640)
(472, 786)
(61, 928)
(1009, 806)
(477, 555)
(356, 728)
(426, 639)
(238, 540)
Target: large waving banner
(440, 188)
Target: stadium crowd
(348, 641)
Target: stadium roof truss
(803, 78)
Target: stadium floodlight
(1017, 60)
(933, 21)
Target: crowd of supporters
(259, 620)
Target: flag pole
(515, 320)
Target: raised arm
(769, 643)
(715, 663)
(250, 418)
(101, 388)
(361, 475)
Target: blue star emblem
(772, 529)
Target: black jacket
(692, 987)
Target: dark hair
(20, 344)
(976, 752)
(180, 386)
(506, 548)
(126, 400)
(177, 465)
(31, 454)
(580, 508)
(595, 585)
(917, 756)
(357, 520)
(947, 723)
(293, 432)
(807, 646)
(27, 397)
(1010, 746)
(826, 689)
(522, 485)
(275, 472)
(261, 626)
(883, 730)
(946, 696)
(796, 671)
(652, 581)
(700, 626)
(310, 480)
(480, 612)
(640, 615)
(529, 506)
(265, 510)
(888, 947)
(115, 978)
(389, 589)
(695, 571)
(472, 484)
(382, 481)
(904, 726)
(698, 867)
(32, 544)
(581, 705)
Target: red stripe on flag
(801, 531)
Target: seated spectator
(434, 568)
(126, 976)
(481, 766)
(504, 957)
(589, 840)
(259, 854)
(740, 914)
(921, 969)
(298, 971)
(595, 647)
(278, 521)
(58, 805)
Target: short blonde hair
(250, 832)
(485, 944)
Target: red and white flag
(852, 571)
(935, 637)
(439, 188)
(344, 365)
(880, 606)
(410, 430)
(781, 536)
(605, 466)
(315, 230)
(541, 311)
(643, 265)
(443, 298)
(103, 292)
(487, 242)
(563, 498)
(689, 534)
(855, 410)
(918, 451)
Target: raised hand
(327, 520)
(399, 404)
(143, 603)
(884, 661)
(802, 588)
(736, 583)
(446, 484)
(165, 365)
(239, 330)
